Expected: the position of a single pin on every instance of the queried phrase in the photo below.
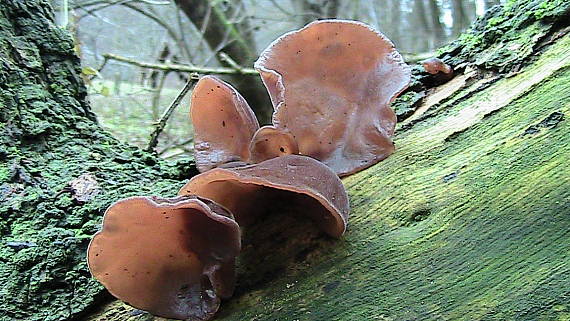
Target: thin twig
(156, 94)
(168, 112)
(224, 57)
(183, 42)
(183, 68)
(109, 2)
(204, 26)
(105, 60)
(176, 145)
(280, 8)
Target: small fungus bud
(435, 66)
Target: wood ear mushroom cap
(269, 142)
(436, 65)
(331, 84)
(223, 123)
(302, 181)
(174, 258)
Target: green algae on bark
(49, 138)
(502, 41)
(508, 36)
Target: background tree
(225, 27)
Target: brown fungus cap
(436, 65)
(269, 142)
(174, 258)
(223, 124)
(300, 182)
(331, 84)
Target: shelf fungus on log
(435, 66)
(331, 84)
(247, 191)
(174, 258)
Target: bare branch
(105, 60)
(157, 90)
(111, 2)
(131, 5)
(176, 145)
(228, 60)
(205, 24)
(183, 42)
(171, 32)
(168, 112)
(183, 68)
(280, 8)
(155, 3)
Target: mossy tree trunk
(58, 169)
(468, 220)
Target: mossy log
(468, 220)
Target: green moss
(502, 39)
(48, 138)
(406, 103)
(495, 21)
(471, 41)
(549, 9)
(4, 173)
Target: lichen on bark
(48, 138)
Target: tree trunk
(418, 19)
(236, 40)
(310, 10)
(396, 17)
(460, 19)
(58, 169)
(436, 26)
(468, 220)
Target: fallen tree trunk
(468, 220)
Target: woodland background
(129, 99)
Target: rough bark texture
(49, 138)
(468, 220)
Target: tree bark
(490, 3)
(418, 19)
(58, 170)
(468, 220)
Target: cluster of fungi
(331, 84)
